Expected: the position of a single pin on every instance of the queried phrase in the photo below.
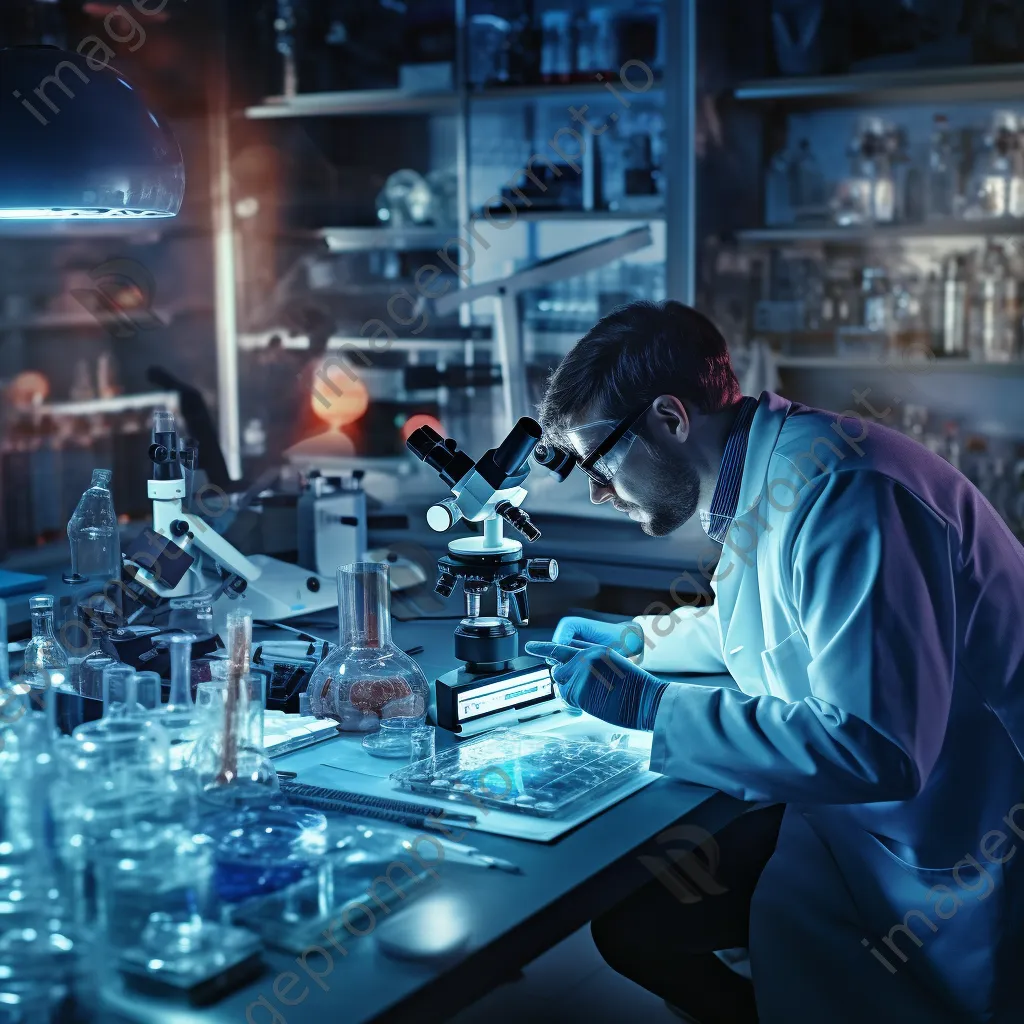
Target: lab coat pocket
(785, 668)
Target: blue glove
(625, 637)
(600, 681)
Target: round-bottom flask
(368, 680)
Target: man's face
(650, 478)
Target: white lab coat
(868, 605)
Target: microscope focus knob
(444, 515)
(541, 570)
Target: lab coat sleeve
(866, 569)
(683, 640)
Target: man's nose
(599, 493)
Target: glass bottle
(941, 181)
(806, 183)
(999, 183)
(35, 946)
(93, 533)
(43, 652)
(367, 680)
(868, 195)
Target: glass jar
(367, 679)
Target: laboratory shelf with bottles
(888, 256)
(499, 136)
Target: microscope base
(283, 590)
(470, 703)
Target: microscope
(163, 561)
(496, 685)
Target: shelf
(397, 239)
(83, 320)
(932, 85)
(120, 403)
(520, 93)
(886, 232)
(533, 216)
(896, 365)
(355, 102)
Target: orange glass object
(338, 405)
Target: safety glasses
(606, 456)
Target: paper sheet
(343, 764)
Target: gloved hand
(600, 681)
(625, 637)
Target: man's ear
(668, 417)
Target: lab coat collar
(769, 417)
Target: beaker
(367, 679)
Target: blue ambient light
(76, 145)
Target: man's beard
(674, 492)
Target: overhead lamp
(78, 142)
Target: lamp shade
(78, 142)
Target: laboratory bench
(512, 918)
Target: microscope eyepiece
(511, 455)
(439, 453)
(556, 459)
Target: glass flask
(93, 534)
(43, 652)
(228, 766)
(36, 948)
(367, 679)
(942, 193)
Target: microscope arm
(166, 516)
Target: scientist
(867, 606)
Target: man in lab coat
(867, 605)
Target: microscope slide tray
(527, 773)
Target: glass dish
(542, 775)
(259, 852)
(362, 857)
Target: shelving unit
(355, 103)
(885, 232)
(896, 365)
(927, 85)
(675, 89)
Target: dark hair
(634, 354)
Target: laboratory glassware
(868, 195)
(119, 691)
(941, 185)
(177, 716)
(193, 614)
(528, 773)
(93, 533)
(556, 55)
(806, 184)
(80, 697)
(229, 767)
(367, 678)
(36, 944)
(43, 652)
(998, 189)
(954, 307)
